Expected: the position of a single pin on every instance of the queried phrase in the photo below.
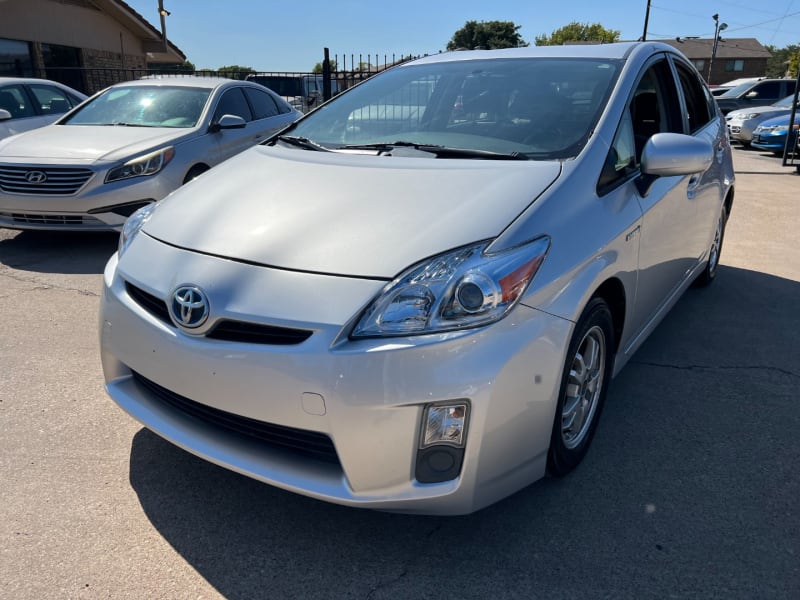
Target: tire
(584, 385)
(710, 272)
(193, 173)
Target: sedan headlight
(148, 164)
(462, 288)
(749, 116)
(780, 129)
(133, 225)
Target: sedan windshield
(537, 108)
(143, 106)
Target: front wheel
(584, 384)
(710, 272)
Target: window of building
(699, 64)
(734, 65)
(15, 58)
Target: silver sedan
(415, 299)
(129, 146)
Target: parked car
(27, 103)
(718, 90)
(742, 122)
(303, 92)
(771, 134)
(755, 93)
(128, 146)
(440, 327)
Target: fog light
(441, 448)
(444, 425)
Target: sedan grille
(227, 329)
(309, 444)
(44, 181)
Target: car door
(270, 113)
(229, 142)
(667, 232)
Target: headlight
(780, 129)
(749, 116)
(462, 288)
(133, 225)
(149, 164)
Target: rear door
(232, 141)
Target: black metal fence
(336, 74)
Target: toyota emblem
(189, 306)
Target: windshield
(542, 108)
(144, 106)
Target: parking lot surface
(690, 489)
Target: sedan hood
(87, 142)
(346, 214)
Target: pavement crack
(768, 368)
(386, 584)
(41, 285)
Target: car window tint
(654, 108)
(233, 103)
(698, 112)
(51, 100)
(262, 103)
(14, 100)
(767, 90)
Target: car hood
(346, 214)
(757, 109)
(87, 142)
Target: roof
(138, 24)
(602, 51)
(182, 81)
(726, 48)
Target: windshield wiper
(439, 151)
(302, 142)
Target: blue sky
(290, 35)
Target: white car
(743, 122)
(128, 146)
(27, 103)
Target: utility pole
(646, 19)
(163, 13)
(717, 28)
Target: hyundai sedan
(128, 146)
(415, 298)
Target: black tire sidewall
(560, 459)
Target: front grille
(226, 330)
(47, 181)
(309, 444)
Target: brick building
(735, 57)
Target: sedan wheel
(584, 384)
(710, 272)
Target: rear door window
(233, 103)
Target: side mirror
(228, 122)
(4, 114)
(670, 154)
(751, 95)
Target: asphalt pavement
(690, 490)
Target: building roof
(152, 40)
(695, 48)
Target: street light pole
(717, 28)
(646, 19)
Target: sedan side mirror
(670, 154)
(4, 114)
(228, 122)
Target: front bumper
(366, 396)
(94, 206)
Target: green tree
(578, 32)
(487, 35)
(782, 60)
(318, 67)
(235, 71)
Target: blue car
(771, 134)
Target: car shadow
(74, 253)
(691, 477)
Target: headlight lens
(749, 116)
(133, 225)
(141, 166)
(462, 288)
(780, 129)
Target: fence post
(326, 76)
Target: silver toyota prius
(128, 146)
(415, 298)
